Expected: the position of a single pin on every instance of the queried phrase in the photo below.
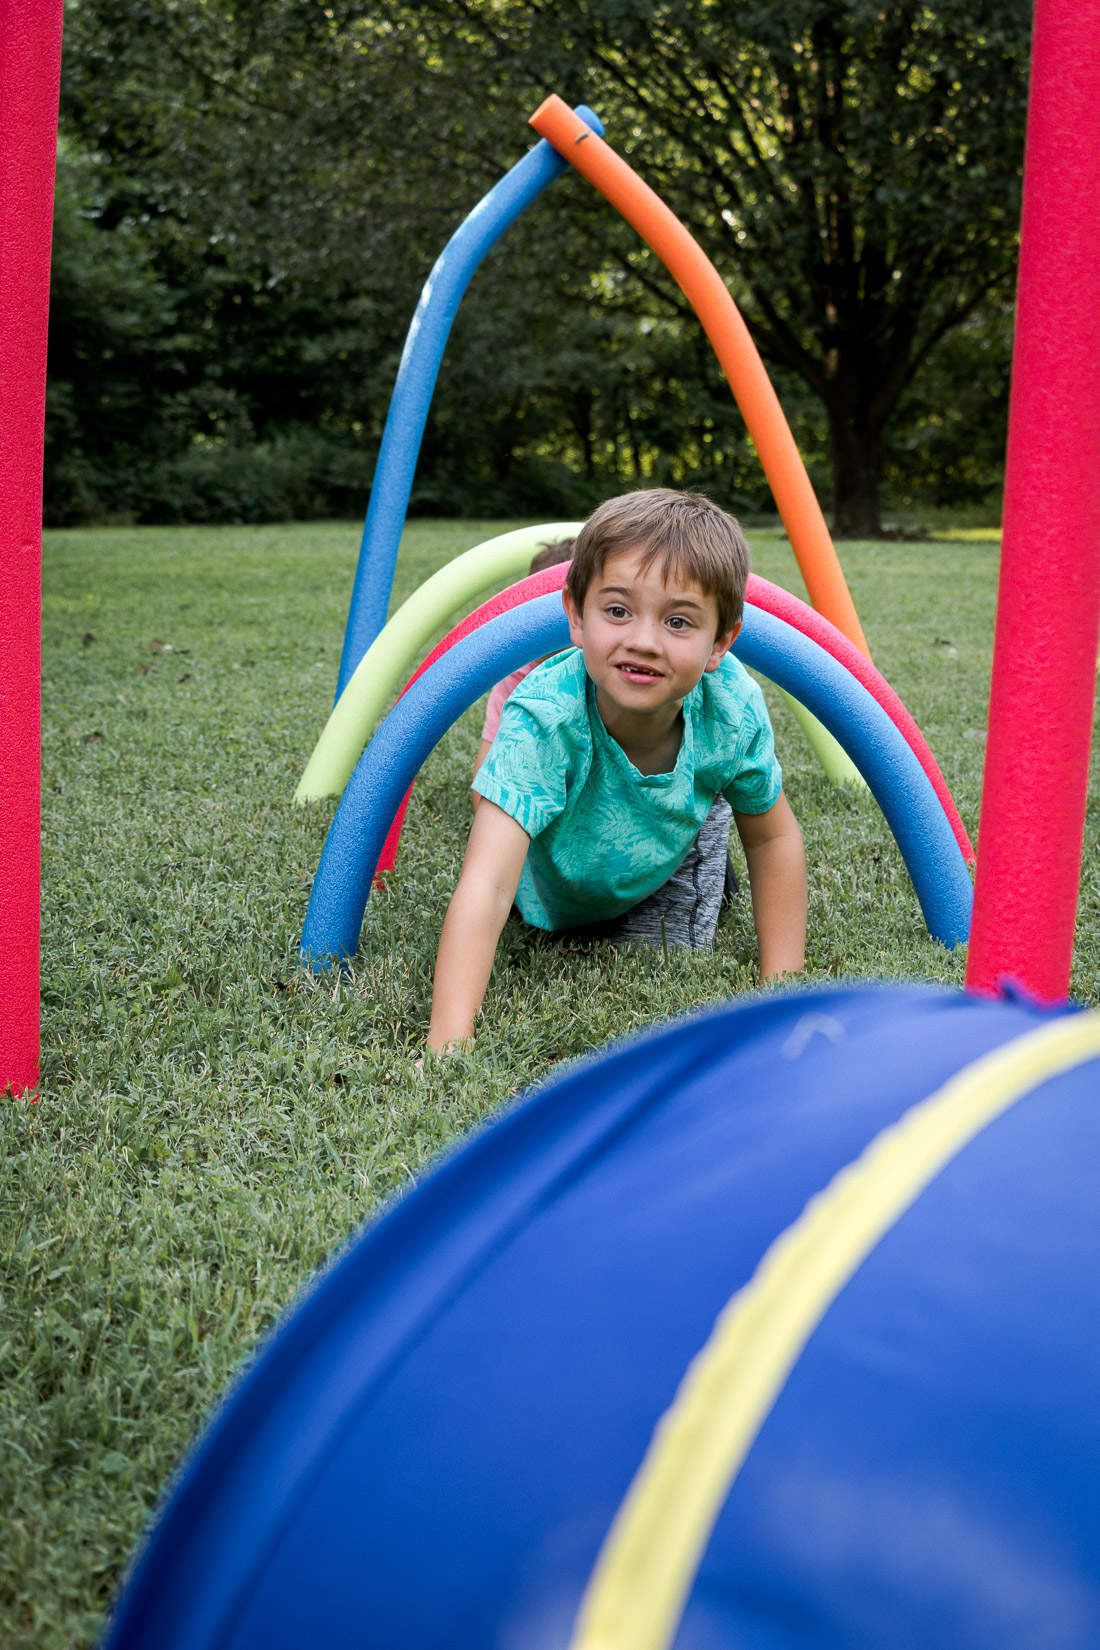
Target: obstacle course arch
(415, 384)
(575, 137)
(354, 851)
(568, 132)
(795, 662)
(771, 598)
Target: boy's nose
(646, 635)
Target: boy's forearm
(777, 879)
(482, 752)
(490, 876)
(467, 947)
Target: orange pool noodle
(705, 290)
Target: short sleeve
(526, 771)
(756, 785)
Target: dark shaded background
(250, 195)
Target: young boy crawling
(608, 791)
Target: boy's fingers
(456, 1046)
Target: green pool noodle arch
(388, 662)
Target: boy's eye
(678, 622)
(617, 612)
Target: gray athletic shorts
(684, 910)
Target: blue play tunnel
(778, 1328)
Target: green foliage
(252, 195)
(111, 325)
(947, 445)
(853, 169)
(298, 475)
(227, 192)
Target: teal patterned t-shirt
(603, 835)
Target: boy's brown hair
(684, 531)
(552, 555)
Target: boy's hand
(478, 911)
(455, 1046)
(776, 860)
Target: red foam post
(1048, 600)
(30, 70)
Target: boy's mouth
(635, 672)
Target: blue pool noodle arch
(437, 699)
(416, 375)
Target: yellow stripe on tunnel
(647, 1566)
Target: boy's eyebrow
(673, 601)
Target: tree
(287, 174)
(288, 169)
(852, 166)
(111, 320)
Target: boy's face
(646, 643)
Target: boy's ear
(722, 645)
(576, 628)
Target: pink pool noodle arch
(763, 594)
(1048, 599)
(30, 68)
(535, 584)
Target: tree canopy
(252, 191)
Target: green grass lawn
(213, 1123)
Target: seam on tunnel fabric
(647, 1565)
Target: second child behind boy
(551, 555)
(599, 791)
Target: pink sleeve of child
(497, 698)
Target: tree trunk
(856, 455)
